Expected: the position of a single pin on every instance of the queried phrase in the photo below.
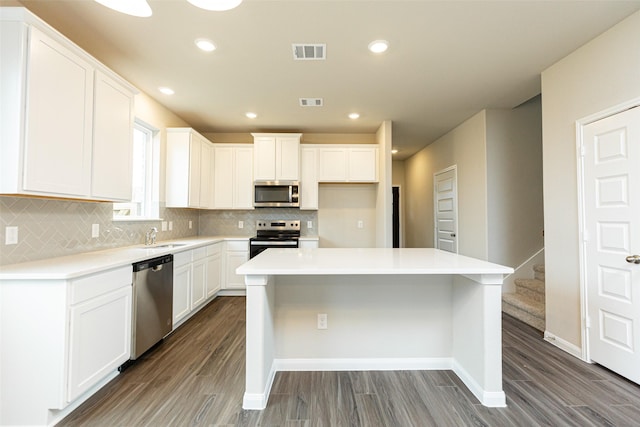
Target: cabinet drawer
(237, 245)
(181, 258)
(199, 253)
(98, 284)
(213, 250)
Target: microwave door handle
(290, 193)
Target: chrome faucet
(150, 237)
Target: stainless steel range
(274, 234)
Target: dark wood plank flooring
(196, 377)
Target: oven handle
(274, 243)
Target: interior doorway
(445, 206)
(610, 258)
(395, 192)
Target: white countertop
(339, 261)
(77, 265)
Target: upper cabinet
(66, 120)
(348, 163)
(232, 176)
(276, 157)
(189, 169)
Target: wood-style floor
(196, 377)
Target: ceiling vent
(309, 52)
(311, 102)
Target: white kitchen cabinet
(214, 269)
(348, 163)
(236, 254)
(111, 171)
(309, 178)
(188, 170)
(59, 108)
(233, 176)
(100, 339)
(181, 286)
(61, 338)
(199, 277)
(276, 157)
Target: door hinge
(587, 322)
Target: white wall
(464, 146)
(603, 73)
(514, 179)
(340, 207)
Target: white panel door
(243, 178)
(445, 197)
(264, 166)
(611, 148)
(223, 177)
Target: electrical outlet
(170, 225)
(360, 223)
(95, 230)
(322, 321)
(309, 225)
(164, 225)
(240, 224)
(11, 235)
(190, 225)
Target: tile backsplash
(50, 228)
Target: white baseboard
(491, 399)
(566, 346)
(258, 401)
(391, 364)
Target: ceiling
(446, 61)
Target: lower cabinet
(61, 338)
(197, 277)
(236, 254)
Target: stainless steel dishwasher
(152, 303)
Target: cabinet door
(363, 164)
(206, 176)
(309, 179)
(57, 156)
(100, 339)
(198, 283)
(288, 158)
(332, 164)
(181, 292)
(234, 260)
(112, 140)
(223, 177)
(214, 275)
(195, 155)
(264, 158)
(243, 178)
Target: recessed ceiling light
(166, 90)
(138, 8)
(251, 115)
(205, 44)
(378, 46)
(354, 116)
(217, 5)
(394, 151)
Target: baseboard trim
(258, 401)
(564, 345)
(385, 364)
(491, 399)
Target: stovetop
(277, 230)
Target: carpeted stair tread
(524, 303)
(538, 271)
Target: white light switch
(309, 225)
(360, 223)
(164, 225)
(240, 224)
(11, 235)
(95, 230)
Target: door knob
(633, 259)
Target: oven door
(257, 246)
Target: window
(144, 203)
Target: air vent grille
(309, 52)
(311, 102)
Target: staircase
(527, 303)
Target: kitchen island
(335, 309)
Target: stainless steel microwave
(278, 194)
